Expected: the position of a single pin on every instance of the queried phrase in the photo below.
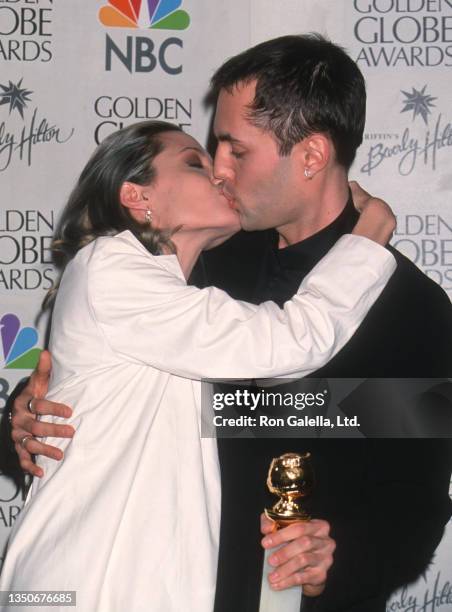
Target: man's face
(261, 183)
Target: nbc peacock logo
(144, 14)
(18, 344)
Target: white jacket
(130, 518)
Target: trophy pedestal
(290, 477)
(288, 600)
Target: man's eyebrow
(226, 137)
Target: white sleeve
(149, 315)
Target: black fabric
(386, 500)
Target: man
(289, 118)
(290, 115)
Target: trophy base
(288, 600)
(283, 520)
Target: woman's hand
(25, 425)
(376, 221)
(305, 557)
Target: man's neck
(322, 204)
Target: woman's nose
(217, 182)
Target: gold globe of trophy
(291, 478)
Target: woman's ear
(135, 198)
(131, 195)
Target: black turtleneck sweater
(386, 500)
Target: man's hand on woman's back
(26, 426)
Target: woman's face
(182, 193)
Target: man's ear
(314, 153)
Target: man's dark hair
(304, 84)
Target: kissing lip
(229, 198)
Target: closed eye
(199, 163)
(195, 164)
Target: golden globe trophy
(291, 477)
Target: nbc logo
(141, 53)
(144, 14)
(18, 344)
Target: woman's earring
(148, 216)
(307, 173)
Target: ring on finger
(30, 406)
(23, 441)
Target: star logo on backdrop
(16, 96)
(419, 102)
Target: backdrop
(72, 72)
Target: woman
(130, 518)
